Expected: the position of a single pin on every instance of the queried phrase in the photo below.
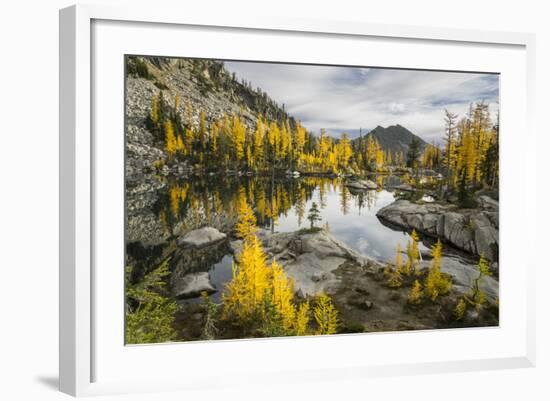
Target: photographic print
(270, 199)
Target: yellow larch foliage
(283, 295)
(214, 133)
(259, 136)
(180, 147)
(302, 319)
(261, 205)
(259, 289)
(273, 136)
(393, 275)
(300, 138)
(395, 279)
(415, 294)
(325, 315)
(184, 189)
(325, 144)
(246, 221)
(238, 137)
(332, 162)
(359, 158)
(470, 155)
(436, 283)
(431, 156)
(257, 272)
(413, 253)
(373, 149)
(256, 286)
(460, 309)
(189, 141)
(175, 201)
(245, 294)
(285, 141)
(344, 151)
(169, 138)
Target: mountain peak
(395, 138)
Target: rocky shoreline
(474, 231)
(318, 262)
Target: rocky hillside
(205, 85)
(395, 138)
(201, 86)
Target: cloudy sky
(348, 98)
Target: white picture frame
(84, 355)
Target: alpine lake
(281, 204)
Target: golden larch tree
(245, 294)
(283, 295)
(246, 221)
(436, 283)
(325, 315)
(170, 142)
(302, 319)
(413, 253)
(415, 294)
(238, 137)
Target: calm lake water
(352, 219)
(280, 205)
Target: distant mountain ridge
(395, 138)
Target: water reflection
(280, 204)
(351, 217)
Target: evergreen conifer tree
(314, 215)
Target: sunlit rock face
(472, 230)
(310, 258)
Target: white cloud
(396, 108)
(348, 98)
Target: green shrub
(149, 314)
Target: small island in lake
(267, 200)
